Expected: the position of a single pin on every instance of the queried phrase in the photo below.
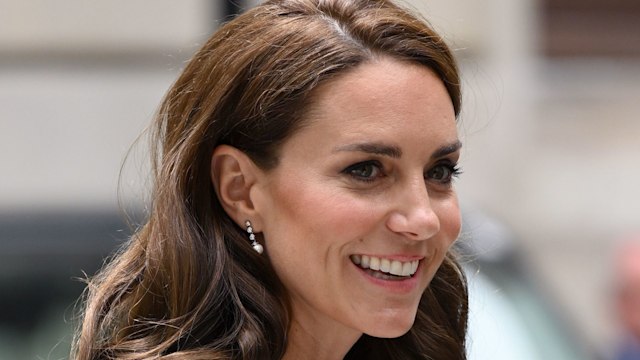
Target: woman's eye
(443, 173)
(364, 171)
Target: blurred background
(550, 184)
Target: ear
(233, 174)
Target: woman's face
(360, 211)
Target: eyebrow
(447, 149)
(395, 151)
(372, 148)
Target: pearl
(258, 248)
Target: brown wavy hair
(188, 285)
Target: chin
(393, 327)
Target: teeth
(393, 267)
(374, 263)
(365, 262)
(407, 269)
(397, 266)
(385, 265)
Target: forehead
(381, 98)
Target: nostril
(418, 224)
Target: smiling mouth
(385, 269)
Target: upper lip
(399, 257)
(406, 266)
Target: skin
(370, 173)
(628, 287)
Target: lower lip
(401, 286)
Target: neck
(320, 345)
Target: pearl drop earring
(252, 237)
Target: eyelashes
(444, 172)
(366, 171)
(369, 171)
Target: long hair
(188, 285)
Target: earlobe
(233, 174)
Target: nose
(413, 215)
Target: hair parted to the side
(188, 285)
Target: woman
(303, 206)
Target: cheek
(326, 213)
(450, 219)
(308, 230)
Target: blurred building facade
(549, 125)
